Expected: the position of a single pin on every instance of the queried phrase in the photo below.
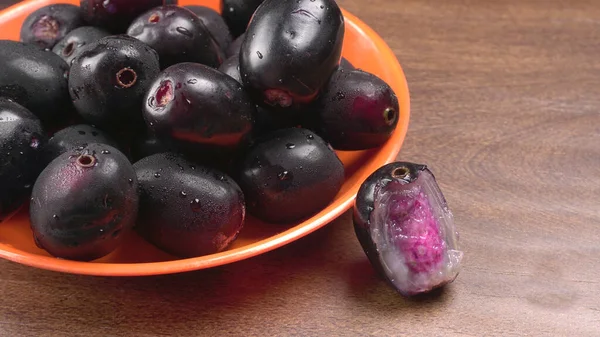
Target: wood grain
(505, 110)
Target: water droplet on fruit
(195, 205)
(280, 80)
(105, 152)
(184, 31)
(156, 175)
(259, 54)
(193, 167)
(55, 217)
(222, 178)
(21, 153)
(192, 81)
(340, 96)
(180, 167)
(290, 145)
(183, 194)
(130, 181)
(322, 6)
(285, 175)
(310, 137)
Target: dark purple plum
(356, 111)
(73, 137)
(21, 142)
(177, 35)
(215, 24)
(237, 14)
(346, 65)
(200, 108)
(291, 49)
(84, 203)
(50, 24)
(185, 209)
(109, 79)
(116, 15)
(36, 79)
(231, 67)
(71, 45)
(289, 175)
(403, 223)
(235, 47)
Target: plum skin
(199, 108)
(237, 14)
(356, 111)
(22, 140)
(289, 175)
(71, 45)
(49, 24)
(186, 209)
(75, 136)
(36, 79)
(109, 79)
(215, 24)
(84, 203)
(116, 15)
(177, 35)
(420, 227)
(290, 51)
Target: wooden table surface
(506, 112)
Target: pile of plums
(118, 115)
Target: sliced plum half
(405, 227)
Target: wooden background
(505, 110)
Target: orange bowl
(362, 47)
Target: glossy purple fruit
(109, 79)
(36, 79)
(84, 203)
(406, 229)
(116, 15)
(21, 142)
(215, 24)
(71, 45)
(199, 107)
(73, 137)
(177, 35)
(237, 14)
(235, 47)
(50, 24)
(291, 49)
(289, 175)
(356, 111)
(186, 209)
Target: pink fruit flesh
(415, 235)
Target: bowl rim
(344, 202)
